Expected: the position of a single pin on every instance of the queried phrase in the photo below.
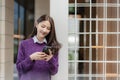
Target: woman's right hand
(38, 56)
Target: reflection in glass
(111, 78)
(100, 26)
(112, 26)
(118, 54)
(71, 25)
(112, 12)
(97, 78)
(83, 53)
(15, 17)
(71, 68)
(82, 78)
(112, 1)
(111, 68)
(111, 39)
(71, 40)
(97, 40)
(84, 40)
(99, 12)
(83, 68)
(111, 54)
(97, 68)
(71, 78)
(100, 39)
(71, 54)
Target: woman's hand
(38, 56)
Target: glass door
(94, 40)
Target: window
(23, 21)
(94, 40)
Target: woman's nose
(45, 30)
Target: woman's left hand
(48, 57)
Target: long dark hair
(51, 37)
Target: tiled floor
(15, 73)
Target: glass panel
(21, 20)
(71, 1)
(82, 78)
(71, 40)
(97, 41)
(112, 1)
(71, 54)
(97, 68)
(111, 78)
(71, 9)
(99, 1)
(111, 39)
(82, 1)
(100, 40)
(71, 78)
(84, 26)
(112, 26)
(119, 11)
(119, 26)
(83, 68)
(93, 40)
(71, 68)
(71, 25)
(97, 78)
(94, 54)
(86, 12)
(83, 53)
(99, 12)
(112, 12)
(119, 54)
(16, 42)
(93, 12)
(93, 26)
(84, 40)
(100, 26)
(119, 67)
(99, 54)
(111, 54)
(111, 68)
(15, 17)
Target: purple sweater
(34, 70)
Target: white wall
(59, 12)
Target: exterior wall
(58, 9)
(41, 7)
(6, 39)
(59, 12)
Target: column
(6, 39)
(59, 12)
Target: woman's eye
(43, 26)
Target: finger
(50, 52)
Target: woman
(32, 63)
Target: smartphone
(46, 49)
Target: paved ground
(15, 73)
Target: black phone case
(46, 49)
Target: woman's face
(43, 29)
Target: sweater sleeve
(53, 65)
(23, 63)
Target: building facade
(89, 31)
(50, 7)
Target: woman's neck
(40, 39)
